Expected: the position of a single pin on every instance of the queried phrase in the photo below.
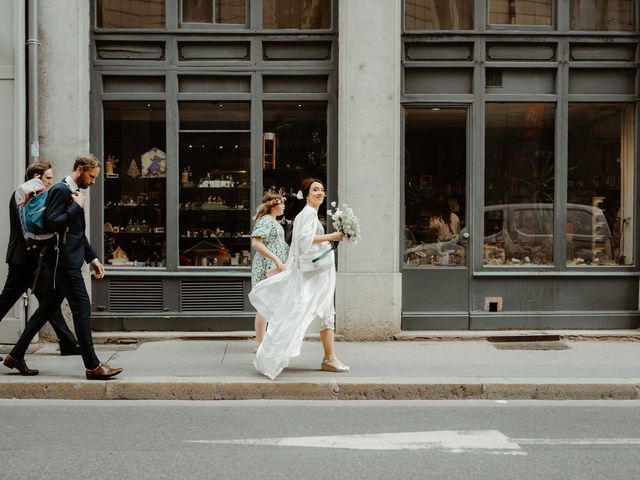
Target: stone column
(64, 91)
(368, 298)
(12, 135)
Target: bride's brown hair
(305, 185)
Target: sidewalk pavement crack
(226, 347)
(113, 355)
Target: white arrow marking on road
(473, 441)
(577, 441)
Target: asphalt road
(319, 440)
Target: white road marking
(473, 441)
(451, 441)
(576, 441)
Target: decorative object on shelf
(133, 170)
(110, 164)
(269, 150)
(217, 180)
(120, 258)
(154, 163)
(206, 253)
(119, 254)
(186, 178)
(214, 203)
(108, 228)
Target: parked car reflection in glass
(522, 234)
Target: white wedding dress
(294, 302)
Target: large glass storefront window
(232, 12)
(520, 12)
(603, 15)
(438, 14)
(298, 14)
(130, 13)
(600, 191)
(435, 175)
(294, 147)
(135, 167)
(215, 191)
(519, 184)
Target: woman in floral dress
(267, 239)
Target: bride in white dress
(296, 301)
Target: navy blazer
(66, 217)
(17, 249)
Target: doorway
(435, 257)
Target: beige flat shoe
(333, 365)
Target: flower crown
(273, 201)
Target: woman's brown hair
(269, 200)
(305, 186)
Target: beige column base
(368, 305)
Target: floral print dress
(272, 234)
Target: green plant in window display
(317, 156)
(537, 186)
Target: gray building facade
(489, 148)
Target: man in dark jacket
(65, 216)
(23, 264)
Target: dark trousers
(19, 279)
(69, 284)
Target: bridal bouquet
(345, 221)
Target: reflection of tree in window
(520, 12)
(602, 15)
(438, 14)
(298, 14)
(130, 13)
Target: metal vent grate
(208, 295)
(135, 296)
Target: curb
(214, 389)
(569, 335)
(137, 337)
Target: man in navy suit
(64, 216)
(23, 264)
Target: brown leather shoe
(102, 372)
(19, 365)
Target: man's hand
(98, 268)
(79, 198)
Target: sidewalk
(223, 370)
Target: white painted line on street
(473, 441)
(576, 441)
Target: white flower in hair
(299, 195)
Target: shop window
(214, 193)
(130, 13)
(600, 191)
(603, 15)
(438, 14)
(135, 167)
(435, 175)
(232, 12)
(519, 184)
(521, 12)
(294, 147)
(296, 14)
